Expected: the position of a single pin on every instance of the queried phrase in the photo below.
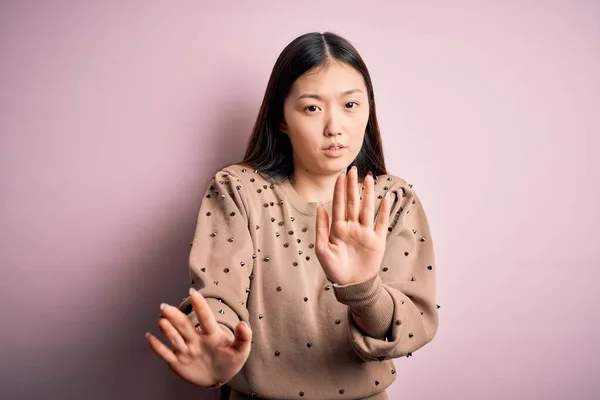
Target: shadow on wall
(232, 130)
(135, 371)
(102, 353)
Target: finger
(159, 348)
(352, 195)
(243, 338)
(338, 207)
(172, 334)
(180, 321)
(384, 215)
(322, 229)
(206, 318)
(367, 211)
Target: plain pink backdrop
(114, 114)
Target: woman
(311, 267)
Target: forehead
(331, 79)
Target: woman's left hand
(351, 248)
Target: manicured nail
(147, 335)
(162, 306)
(192, 290)
(370, 173)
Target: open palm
(351, 246)
(207, 356)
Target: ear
(283, 127)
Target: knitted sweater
(253, 259)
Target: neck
(314, 188)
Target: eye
(311, 109)
(351, 104)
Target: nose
(332, 125)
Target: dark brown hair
(269, 151)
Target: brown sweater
(253, 259)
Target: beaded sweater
(253, 259)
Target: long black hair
(269, 151)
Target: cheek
(359, 126)
(304, 130)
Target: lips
(334, 146)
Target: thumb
(243, 338)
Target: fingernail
(162, 306)
(370, 173)
(192, 290)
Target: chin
(328, 166)
(336, 166)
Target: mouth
(334, 150)
(334, 146)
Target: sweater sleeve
(222, 254)
(394, 313)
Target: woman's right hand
(207, 356)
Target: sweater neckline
(300, 203)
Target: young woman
(311, 267)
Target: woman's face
(325, 117)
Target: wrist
(360, 294)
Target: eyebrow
(316, 96)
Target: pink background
(114, 114)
